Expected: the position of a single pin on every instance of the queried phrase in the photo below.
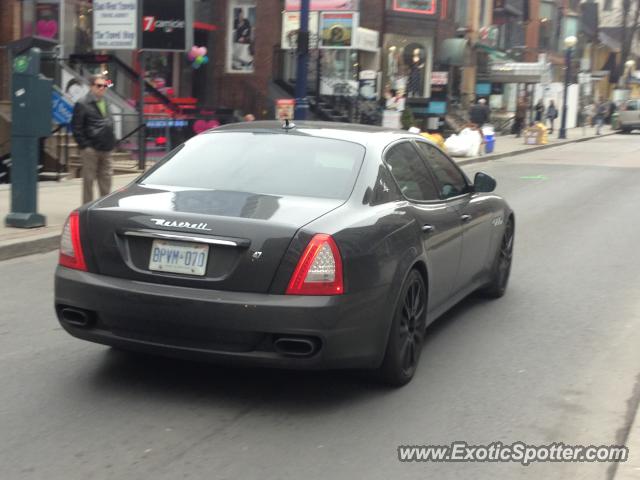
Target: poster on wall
(114, 25)
(166, 25)
(290, 27)
(241, 38)
(285, 108)
(337, 29)
(323, 5)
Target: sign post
(302, 104)
(30, 120)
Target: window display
(406, 65)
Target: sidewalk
(57, 199)
(509, 145)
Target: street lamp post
(569, 43)
(630, 67)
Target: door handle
(428, 228)
(466, 218)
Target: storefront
(339, 48)
(408, 56)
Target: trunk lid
(246, 234)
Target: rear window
(264, 163)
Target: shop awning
(611, 37)
(517, 72)
(455, 52)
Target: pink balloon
(194, 50)
(202, 51)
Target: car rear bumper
(346, 331)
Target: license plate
(179, 257)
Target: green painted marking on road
(533, 177)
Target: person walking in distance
(539, 111)
(479, 113)
(601, 112)
(552, 114)
(521, 115)
(93, 131)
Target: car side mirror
(483, 183)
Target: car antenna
(287, 125)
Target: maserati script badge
(173, 223)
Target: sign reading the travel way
(115, 24)
(165, 25)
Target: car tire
(626, 131)
(497, 285)
(406, 335)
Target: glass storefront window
(339, 71)
(406, 64)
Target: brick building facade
(9, 31)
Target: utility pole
(302, 104)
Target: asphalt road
(556, 359)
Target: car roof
(367, 135)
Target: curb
(496, 156)
(630, 470)
(19, 248)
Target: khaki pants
(96, 165)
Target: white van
(629, 116)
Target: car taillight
(71, 255)
(319, 271)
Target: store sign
(421, 7)
(439, 78)
(488, 36)
(115, 24)
(323, 5)
(291, 25)
(285, 108)
(368, 84)
(337, 29)
(367, 40)
(165, 25)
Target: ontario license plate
(179, 257)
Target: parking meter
(31, 95)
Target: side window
(411, 174)
(631, 105)
(451, 182)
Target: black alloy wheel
(407, 333)
(497, 286)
